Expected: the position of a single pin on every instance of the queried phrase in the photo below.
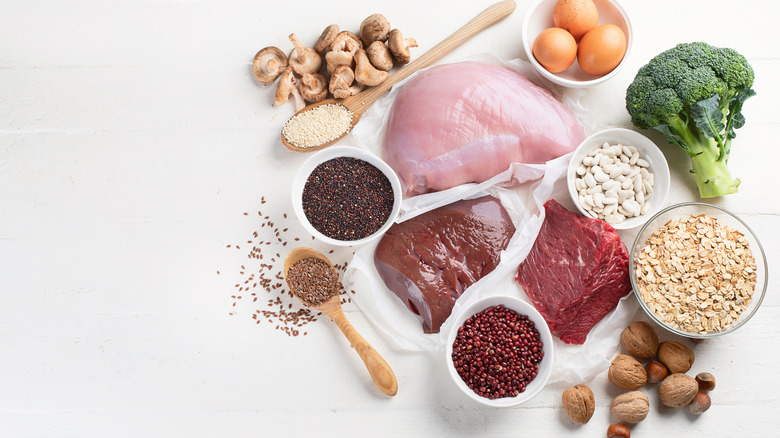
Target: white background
(133, 138)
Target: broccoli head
(693, 93)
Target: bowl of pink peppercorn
(500, 351)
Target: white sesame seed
(317, 126)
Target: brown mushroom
(356, 88)
(313, 87)
(400, 46)
(303, 59)
(287, 87)
(336, 59)
(340, 81)
(326, 38)
(268, 64)
(346, 41)
(380, 56)
(374, 28)
(365, 73)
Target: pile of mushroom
(341, 63)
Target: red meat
(576, 272)
(428, 261)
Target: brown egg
(601, 49)
(576, 16)
(555, 49)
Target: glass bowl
(522, 308)
(684, 210)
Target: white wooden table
(133, 138)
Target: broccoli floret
(693, 93)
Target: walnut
(631, 407)
(626, 372)
(678, 390)
(640, 340)
(579, 403)
(676, 356)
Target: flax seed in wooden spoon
(335, 112)
(312, 278)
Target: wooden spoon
(380, 371)
(358, 103)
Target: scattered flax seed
(318, 125)
(696, 274)
(281, 311)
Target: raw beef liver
(428, 261)
(576, 272)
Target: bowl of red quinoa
(346, 196)
(698, 270)
(499, 351)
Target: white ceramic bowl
(343, 151)
(539, 16)
(684, 210)
(647, 150)
(545, 366)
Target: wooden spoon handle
(482, 21)
(380, 371)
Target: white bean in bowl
(614, 167)
(620, 176)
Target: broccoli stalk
(693, 94)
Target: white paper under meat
(537, 183)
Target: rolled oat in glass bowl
(698, 270)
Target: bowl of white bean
(619, 176)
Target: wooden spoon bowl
(358, 103)
(380, 371)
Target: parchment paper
(522, 189)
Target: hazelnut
(678, 390)
(656, 371)
(579, 403)
(631, 407)
(640, 340)
(626, 372)
(618, 430)
(700, 403)
(706, 381)
(676, 356)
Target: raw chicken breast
(467, 122)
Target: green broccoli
(693, 93)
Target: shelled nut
(678, 390)
(631, 407)
(579, 403)
(626, 372)
(618, 430)
(706, 381)
(640, 340)
(676, 356)
(700, 403)
(656, 371)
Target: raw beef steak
(428, 261)
(576, 272)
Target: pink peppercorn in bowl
(515, 329)
(346, 196)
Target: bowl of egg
(577, 43)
